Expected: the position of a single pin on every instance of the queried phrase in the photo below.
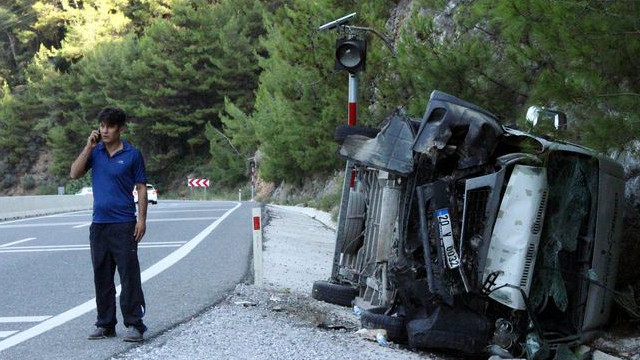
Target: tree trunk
(12, 45)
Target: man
(115, 232)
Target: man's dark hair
(112, 116)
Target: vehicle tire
(154, 202)
(338, 294)
(375, 318)
(451, 329)
(354, 223)
(342, 131)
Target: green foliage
(90, 23)
(201, 78)
(228, 165)
(19, 39)
(237, 125)
(48, 189)
(8, 181)
(18, 117)
(28, 182)
(144, 12)
(73, 186)
(183, 68)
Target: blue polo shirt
(113, 179)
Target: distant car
(152, 194)
(87, 190)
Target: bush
(48, 189)
(8, 181)
(28, 182)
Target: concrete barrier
(13, 207)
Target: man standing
(115, 232)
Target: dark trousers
(113, 247)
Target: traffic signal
(351, 54)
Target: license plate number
(446, 238)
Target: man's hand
(93, 139)
(79, 166)
(141, 225)
(141, 228)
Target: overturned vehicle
(460, 234)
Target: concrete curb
(321, 216)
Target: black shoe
(133, 335)
(102, 333)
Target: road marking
(183, 219)
(151, 211)
(16, 242)
(90, 305)
(77, 223)
(23, 319)
(82, 225)
(4, 334)
(49, 248)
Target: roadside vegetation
(207, 84)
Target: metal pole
(349, 179)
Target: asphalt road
(192, 255)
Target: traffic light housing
(351, 54)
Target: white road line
(28, 249)
(90, 305)
(182, 219)
(143, 243)
(179, 211)
(23, 319)
(14, 226)
(82, 225)
(77, 223)
(16, 242)
(151, 211)
(4, 334)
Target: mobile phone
(99, 136)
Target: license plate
(446, 238)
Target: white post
(257, 246)
(239, 194)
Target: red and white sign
(198, 182)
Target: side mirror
(537, 116)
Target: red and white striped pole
(353, 99)
(257, 246)
(353, 114)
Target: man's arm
(79, 166)
(141, 225)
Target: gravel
(279, 320)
